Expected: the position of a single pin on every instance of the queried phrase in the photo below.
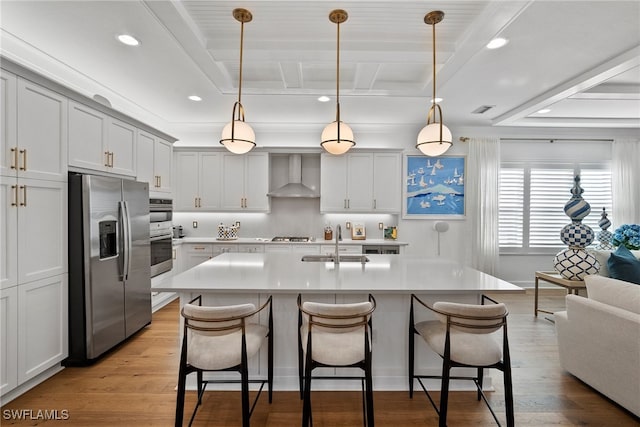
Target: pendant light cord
(433, 26)
(240, 72)
(338, 79)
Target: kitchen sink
(332, 258)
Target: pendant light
(435, 138)
(337, 137)
(237, 136)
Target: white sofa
(599, 339)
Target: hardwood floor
(135, 386)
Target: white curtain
(482, 203)
(625, 180)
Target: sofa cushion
(618, 293)
(623, 265)
(602, 255)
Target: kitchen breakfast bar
(234, 278)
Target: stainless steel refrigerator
(109, 264)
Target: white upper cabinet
(8, 124)
(333, 183)
(154, 157)
(359, 186)
(122, 147)
(387, 182)
(100, 142)
(198, 181)
(245, 182)
(34, 130)
(360, 182)
(220, 181)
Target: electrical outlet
(195, 224)
(380, 226)
(348, 225)
(238, 224)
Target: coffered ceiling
(580, 59)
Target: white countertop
(286, 273)
(267, 240)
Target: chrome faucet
(338, 238)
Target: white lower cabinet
(277, 248)
(178, 260)
(33, 329)
(8, 339)
(305, 249)
(298, 249)
(196, 254)
(343, 249)
(249, 248)
(42, 325)
(223, 248)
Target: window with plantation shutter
(532, 198)
(550, 190)
(511, 202)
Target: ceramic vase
(575, 262)
(604, 236)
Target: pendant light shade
(337, 139)
(237, 136)
(435, 138)
(337, 136)
(433, 141)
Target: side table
(572, 286)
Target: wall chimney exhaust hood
(295, 187)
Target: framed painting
(434, 187)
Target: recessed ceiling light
(324, 98)
(128, 40)
(497, 43)
(544, 111)
(195, 98)
(437, 100)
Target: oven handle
(162, 237)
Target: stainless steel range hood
(295, 187)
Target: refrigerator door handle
(126, 238)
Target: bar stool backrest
(215, 321)
(471, 318)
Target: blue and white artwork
(434, 186)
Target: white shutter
(511, 207)
(550, 190)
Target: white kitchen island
(233, 278)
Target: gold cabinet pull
(106, 158)
(14, 161)
(24, 160)
(199, 202)
(111, 159)
(14, 202)
(24, 195)
(159, 181)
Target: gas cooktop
(290, 239)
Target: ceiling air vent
(482, 109)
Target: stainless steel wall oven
(160, 235)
